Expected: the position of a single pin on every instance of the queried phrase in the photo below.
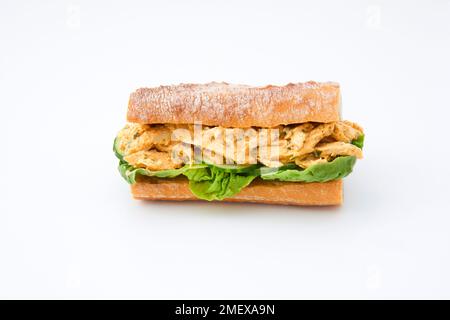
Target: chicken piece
(292, 141)
(181, 153)
(161, 135)
(314, 137)
(213, 138)
(246, 151)
(286, 153)
(136, 137)
(339, 148)
(269, 147)
(213, 145)
(181, 133)
(152, 160)
(354, 125)
(345, 132)
(297, 139)
(130, 132)
(270, 156)
(309, 161)
(304, 127)
(297, 135)
(240, 145)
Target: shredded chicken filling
(161, 147)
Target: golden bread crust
(228, 105)
(259, 191)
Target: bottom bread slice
(259, 191)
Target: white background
(68, 226)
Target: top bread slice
(228, 105)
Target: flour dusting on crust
(230, 105)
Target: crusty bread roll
(226, 105)
(259, 191)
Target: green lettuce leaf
(214, 183)
(336, 169)
(359, 142)
(116, 150)
(238, 168)
(129, 173)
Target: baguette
(227, 105)
(240, 106)
(259, 191)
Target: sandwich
(224, 142)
